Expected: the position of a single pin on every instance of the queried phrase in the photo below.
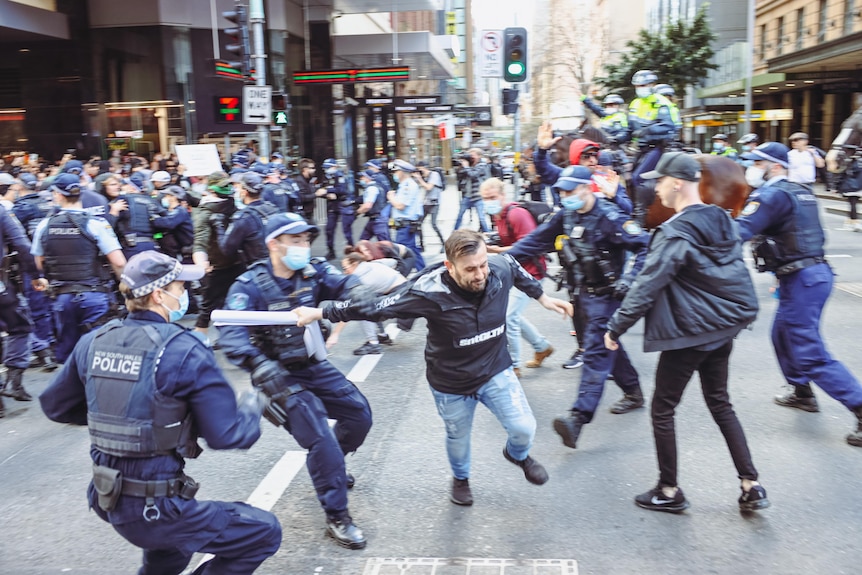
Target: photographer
(474, 172)
(432, 182)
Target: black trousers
(673, 373)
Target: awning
(843, 54)
(367, 6)
(422, 51)
(737, 87)
(23, 23)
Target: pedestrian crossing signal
(280, 118)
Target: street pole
(517, 120)
(256, 18)
(749, 66)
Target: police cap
(150, 270)
(67, 184)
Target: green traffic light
(516, 68)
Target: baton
(313, 337)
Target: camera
(493, 238)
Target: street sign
(491, 59)
(256, 104)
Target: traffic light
(515, 55)
(228, 110)
(280, 109)
(238, 42)
(510, 101)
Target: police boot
(345, 532)
(629, 402)
(45, 360)
(13, 388)
(2, 409)
(801, 397)
(569, 427)
(855, 438)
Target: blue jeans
(599, 361)
(517, 325)
(505, 398)
(796, 337)
(466, 204)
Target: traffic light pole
(516, 124)
(256, 19)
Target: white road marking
(367, 363)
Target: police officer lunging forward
(146, 388)
(67, 247)
(305, 390)
(782, 221)
(598, 237)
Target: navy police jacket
(466, 343)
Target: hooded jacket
(694, 288)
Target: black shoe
(44, 359)
(2, 409)
(330, 255)
(753, 499)
(384, 339)
(351, 481)
(576, 361)
(855, 438)
(345, 532)
(13, 387)
(656, 500)
(793, 400)
(533, 470)
(569, 428)
(368, 348)
(629, 402)
(461, 494)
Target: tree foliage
(680, 54)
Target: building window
(849, 8)
(800, 28)
(763, 42)
(779, 37)
(821, 21)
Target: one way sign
(256, 104)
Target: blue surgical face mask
(396, 178)
(175, 315)
(297, 257)
(572, 202)
(746, 147)
(643, 91)
(717, 146)
(492, 207)
(611, 110)
(165, 202)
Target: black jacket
(694, 288)
(466, 343)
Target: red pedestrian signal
(228, 110)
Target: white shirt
(801, 168)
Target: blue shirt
(98, 227)
(409, 194)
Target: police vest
(598, 264)
(71, 252)
(283, 343)
(126, 414)
(31, 210)
(253, 247)
(141, 208)
(726, 152)
(380, 202)
(646, 109)
(278, 196)
(802, 236)
(615, 121)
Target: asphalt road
(582, 521)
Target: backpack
(439, 171)
(541, 212)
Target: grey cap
(676, 165)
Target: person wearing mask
(145, 414)
(243, 239)
(431, 182)
(803, 160)
(175, 227)
(597, 239)
(373, 204)
(407, 209)
(720, 147)
(614, 120)
(339, 205)
(472, 173)
(512, 223)
(747, 143)
(694, 263)
(464, 301)
(304, 391)
(135, 223)
(782, 220)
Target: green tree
(680, 54)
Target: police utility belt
(110, 484)
(792, 267)
(133, 239)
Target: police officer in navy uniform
(598, 236)
(147, 388)
(372, 207)
(135, 223)
(340, 204)
(14, 312)
(244, 237)
(93, 203)
(68, 247)
(304, 390)
(781, 219)
(175, 227)
(284, 194)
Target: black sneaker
(345, 532)
(576, 361)
(656, 500)
(791, 399)
(753, 499)
(461, 494)
(351, 481)
(533, 470)
(384, 338)
(569, 428)
(629, 402)
(368, 348)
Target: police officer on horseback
(614, 120)
(653, 128)
(720, 147)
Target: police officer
(244, 237)
(93, 203)
(135, 224)
(175, 227)
(668, 92)
(653, 125)
(781, 219)
(407, 208)
(304, 390)
(747, 143)
(68, 247)
(720, 147)
(598, 237)
(614, 121)
(14, 313)
(146, 388)
(373, 203)
(339, 205)
(283, 194)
